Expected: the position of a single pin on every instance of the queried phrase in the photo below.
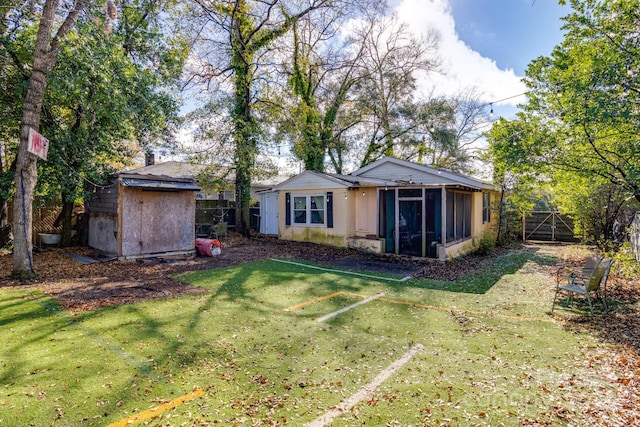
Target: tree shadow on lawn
(620, 324)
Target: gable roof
(314, 180)
(406, 172)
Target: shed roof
(159, 184)
(176, 169)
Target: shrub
(485, 244)
(626, 264)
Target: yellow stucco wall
(355, 214)
(343, 223)
(487, 227)
(366, 220)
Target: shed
(138, 216)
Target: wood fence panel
(548, 226)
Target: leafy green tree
(13, 82)
(599, 208)
(579, 128)
(519, 168)
(586, 94)
(237, 35)
(103, 95)
(107, 99)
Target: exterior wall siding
(103, 229)
(366, 215)
(148, 226)
(343, 211)
(355, 209)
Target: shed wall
(103, 219)
(154, 222)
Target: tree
(519, 168)
(107, 98)
(13, 79)
(243, 30)
(44, 57)
(325, 67)
(587, 92)
(391, 58)
(580, 123)
(445, 132)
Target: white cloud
(462, 67)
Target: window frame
(486, 207)
(309, 211)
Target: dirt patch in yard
(79, 287)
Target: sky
(486, 44)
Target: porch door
(410, 227)
(432, 221)
(387, 219)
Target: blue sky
(511, 32)
(485, 44)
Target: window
(309, 210)
(486, 207)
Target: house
(389, 206)
(139, 216)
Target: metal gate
(548, 226)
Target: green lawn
(254, 352)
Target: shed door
(269, 213)
(157, 222)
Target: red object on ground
(208, 247)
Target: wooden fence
(548, 226)
(44, 219)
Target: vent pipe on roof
(149, 159)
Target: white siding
(269, 212)
(310, 181)
(393, 172)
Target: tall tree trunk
(245, 139)
(26, 171)
(66, 215)
(44, 58)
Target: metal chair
(585, 284)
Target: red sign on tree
(38, 144)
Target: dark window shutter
(287, 198)
(330, 209)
